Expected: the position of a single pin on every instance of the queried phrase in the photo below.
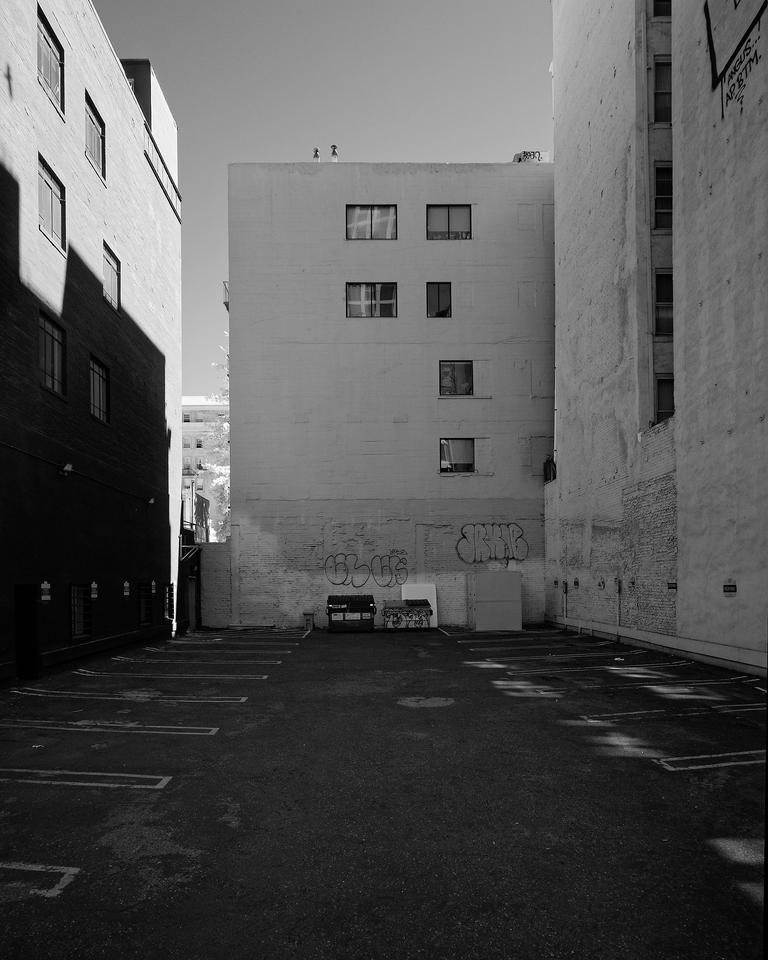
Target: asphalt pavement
(439, 794)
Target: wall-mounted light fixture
(45, 590)
(66, 470)
(94, 590)
(126, 588)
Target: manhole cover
(425, 702)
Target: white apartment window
(663, 197)
(187, 463)
(99, 390)
(371, 299)
(663, 303)
(94, 137)
(200, 465)
(81, 607)
(186, 442)
(451, 222)
(456, 378)
(111, 278)
(375, 222)
(50, 196)
(52, 355)
(665, 398)
(438, 299)
(662, 91)
(199, 443)
(50, 61)
(457, 455)
(186, 418)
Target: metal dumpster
(408, 615)
(350, 611)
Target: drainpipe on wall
(617, 581)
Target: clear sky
(267, 80)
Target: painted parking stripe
(171, 676)
(232, 663)
(67, 875)
(80, 778)
(663, 714)
(593, 666)
(106, 726)
(572, 656)
(132, 696)
(736, 758)
(656, 684)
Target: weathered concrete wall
(721, 328)
(611, 512)
(336, 421)
(215, 584)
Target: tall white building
(391, 376)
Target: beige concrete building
(653, 523)
(205, 461)
(391, 375)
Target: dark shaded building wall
(105, 521)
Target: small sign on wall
(94, 590)
(729, 588)
(126, 588)
(45, 590)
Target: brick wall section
(216, 584)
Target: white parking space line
(81, 778)
(228, 643)
(232, 663)
(172, 676)
(736, 758)
(106, 726)
(548, 658)
(131, 695)
(656, 686)
(68, 874)
(594, 666)
(662, 714)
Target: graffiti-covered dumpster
(350, 611)
(408, 615)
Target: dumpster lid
(346, 599)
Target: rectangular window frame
(52, 355)
(370, 300)
(112, 278)
(450, 384)
(81, 611)
(51, 198)
(662, 201)
(438, 292)
(371, 232)
(449, 234)
(50, 61)
(662, 94)
(99, 390)
(95, 138)
(663, 309)
(662, 8)
(663, 412)
(450, 464)
(145, 604)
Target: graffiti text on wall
(483, 542)
(346, 569)
(734, 82)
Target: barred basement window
(450, 222)
(99, 390)
(145, 604)
(50, 61)
(94, 137)
(372, 222)
(81, 607)
(371, 299)
(52, 355)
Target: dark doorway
(27, 640)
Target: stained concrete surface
(384, 796)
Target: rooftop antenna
(334, 153)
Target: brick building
(391, 377)
(661, 141)
(90, 372)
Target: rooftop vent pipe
(316, 154)
(334, 153)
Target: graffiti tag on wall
(483, 542)
(735, 80)
(387, 570)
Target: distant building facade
(391, 376)
(205, 463)
(90, 370)
(654, 528)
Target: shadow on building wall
(86, 521)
